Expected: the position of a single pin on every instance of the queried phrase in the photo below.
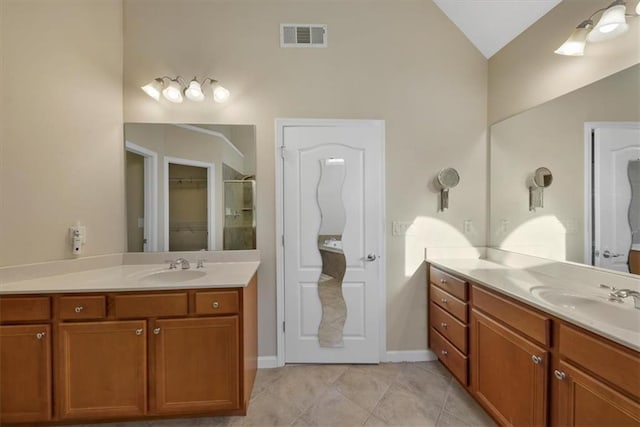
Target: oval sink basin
(619, 315)
(171, 276)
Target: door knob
(608, 254)
(371, 257)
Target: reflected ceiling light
(638, 8)
(173, 89)
(612, 23)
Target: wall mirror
(190, 187)
(589, 138)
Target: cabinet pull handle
(536, 359)
(79, 308)
(40, 335)
(215, 304)
(443, 281)
(156, 331)
(444, 324)
(139, 331)
(559, 375)
(444, 352)
(443, 300)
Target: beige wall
(526, 72)
(400, 61)
(61, 154)
(552, 135)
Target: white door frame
(150, 194)
(589, 128)
(211, 215)
(280, 124)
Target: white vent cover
(303, 35)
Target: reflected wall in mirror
(571, 135)
(190, 187)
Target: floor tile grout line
(444, 403)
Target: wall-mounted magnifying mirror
(447, 178)
(541, 179)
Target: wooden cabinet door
(508, 373)
(25, 373)
(195, 365)
(102, 369)
(585, 401)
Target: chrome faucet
(625, 293)
(183, 263)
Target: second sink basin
(619, 315)
(171, 276)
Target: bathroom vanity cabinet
(129, 355)
(528, 367)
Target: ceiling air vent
(303, 35)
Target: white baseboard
(267, 362)
(410, 356)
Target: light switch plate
(400, 228)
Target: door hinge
(283, 327)
(282, 240)
(281, 151)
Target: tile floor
(390, 394)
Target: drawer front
(20, 309)
(449, 283)
(217, 302)
(621, 368)
(450, 357)
(82, 307)
(528, 322)
(150, 305)
(449, 303)
(449, 327)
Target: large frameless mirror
(333, 219)
(190, 187)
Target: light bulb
(194, 91)
(638, 8)
(612, 24)
(220, 94)
(153, 89)
(575, 44)
(173, 92)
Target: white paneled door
(359, 146)
(614, 148)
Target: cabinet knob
(78, 309)
(156, 331)
(40, 335)
(443, 300)
(444, 352)
(139, 331)
(215, 304)
(444, 324)
(536, 359)
(559, 375)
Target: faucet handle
(612, 288)
(172, 264)
(200, 263)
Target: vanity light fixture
(612, 23)
(176, 89)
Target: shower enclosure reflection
(190, 187)
(333, 218)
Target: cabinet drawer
(217, 302)
(450, 356)
(449, 327)
(150, 305)
(449, 283)
(621, 368)
(19, 309)
(528, 322)
(449, 303)
(82, 307)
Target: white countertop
(122, 278)
(519, 283)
